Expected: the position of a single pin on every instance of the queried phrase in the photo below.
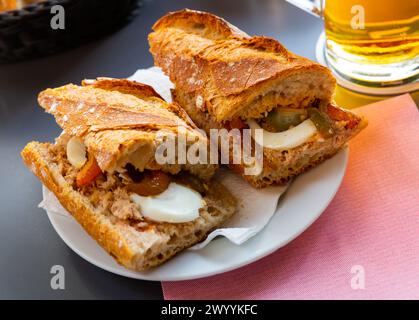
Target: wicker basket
(27, 33)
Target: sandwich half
(225, 78)
(103, 170)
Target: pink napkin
(364, 246)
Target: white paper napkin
(255, 206)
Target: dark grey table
(29, 246)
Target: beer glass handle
(314, 7)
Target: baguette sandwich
(225, 78)
(103, 170)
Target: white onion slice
(291, 138)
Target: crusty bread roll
(222, 74)
(117, 121)
(237, 75)
(135, 244)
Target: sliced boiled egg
(175, 205)
(288, 139)
(76, 152)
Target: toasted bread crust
(188, 17)
(117, 117)
(140, 90)
(231, 71)
(134, 249)
(108, 104)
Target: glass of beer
(371, 42)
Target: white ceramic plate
(302, 204)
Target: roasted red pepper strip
(337, 114)
(89, 172)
